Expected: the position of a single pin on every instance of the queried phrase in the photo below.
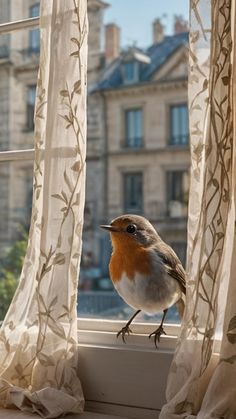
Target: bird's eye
(131, 228)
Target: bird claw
(124, 331)
(157, 334)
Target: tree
(10, 270)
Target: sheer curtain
(38, 339)
(202, 380)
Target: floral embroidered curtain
(38, 339)
(202, 380)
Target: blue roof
(158, 54)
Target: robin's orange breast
(130, 259)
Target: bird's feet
(157, 334)
(124, 331)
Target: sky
(135, 18)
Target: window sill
(100, 332)
(127, 380)
(120, 381)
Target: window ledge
(127, 380)
(99, 332)
(120, 381)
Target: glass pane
(16, 184)
(141, 110)
(133, 192)
(179, 124)
(108, 161)
(129, 71)
(34, 35)
(134, 132)
(19, 61)
(175, 125)
(178, 189)
(184, 121)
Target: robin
(144, 270)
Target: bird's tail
(180, 305)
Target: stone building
(137, 154)
(144, 99)
(19, 59)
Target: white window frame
(129, 379)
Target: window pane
(31, 96)
(34, 35)
(179, 125)
(129, 70)
(133, 192)
(18, 76)
(109, 130)
(177, 193)
(16, 184)
(123, 175)
(134, 128)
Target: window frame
(170, 124)
(125, 174)
(127, 142)
(135, 65)
(168, 172)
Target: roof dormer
(133, 62)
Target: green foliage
(10, 269)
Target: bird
(145, 271)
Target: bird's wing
(172, 264)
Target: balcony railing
(132, 143)
(181, 140)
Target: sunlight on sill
(102, 333)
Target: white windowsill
(100, 332)
(120, 381)
(127, 380)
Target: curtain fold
(38, 339)
(201, 381)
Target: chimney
(112, 42)
(158, 31)
(180, 25)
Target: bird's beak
(109, 228)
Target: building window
(179, 127)
(134, 128)
(31, 94)
(177, 193)
(129, 72)
(180, 249)
(34, 35)
(133, 192)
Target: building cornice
(144, 87)
(134, 151)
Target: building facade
(19, 61)
(137, 149)
(144, 96)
